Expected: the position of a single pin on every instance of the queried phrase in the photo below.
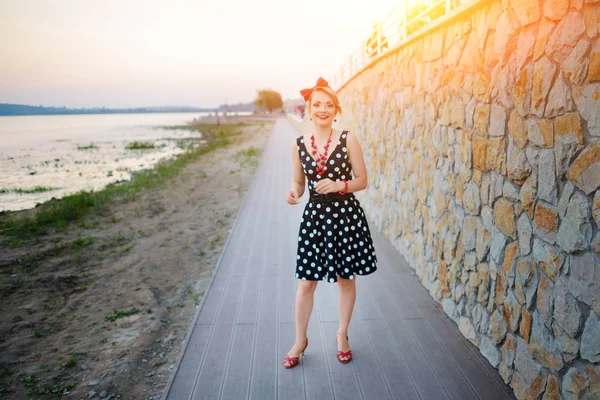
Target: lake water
(43, 151)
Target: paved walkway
(404, 347)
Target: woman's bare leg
(346, 301)
(304, 306)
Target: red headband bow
(307, 92)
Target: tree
(268, 99)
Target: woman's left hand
(325, 186)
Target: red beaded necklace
(321, 159)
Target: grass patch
(37, 189)
(139, 145)
(58, 214)
(88, 147)
(120, 314)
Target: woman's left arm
(359, 169)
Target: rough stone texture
(585, 170)
(526, 281)
(545, 299)
(546, 177)
(486, 177)
(546, 222)
(550, 259)
(542, 345)
(566, 309)
(590, 340)
(517, 129)
(528, 195)
(541, 133)
(574, 384)
(524, 232)
(551, 392)
(596, 208)
(587, 99)
(505, 217)
(584, 279)
(575, 232)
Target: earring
(334, 120)
(311, 118)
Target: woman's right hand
(292, 197)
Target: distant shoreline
(19, 110)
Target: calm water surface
(43, 151)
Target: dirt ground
(101, 310)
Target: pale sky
(134, 53)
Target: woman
(334, 242)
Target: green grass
(58, 214)
(120, 314)
(139, 145)
(37, 189)
(90, 146)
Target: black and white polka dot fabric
(334, 238)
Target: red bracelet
(345, 188)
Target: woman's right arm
(298, 178)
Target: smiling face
(322, 108)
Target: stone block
(481, 119)
(594, 65)
(584, 279)
(496, 156)
(567, 345)
(542, 346)
(528, 194)
(569, 125)
(566, 34)
(479, 153)
(541, 132)
(497, 329)
(542, 69)
(472, 199)
(566, 310)
(551, 392)
(546, 222)
(545, 299)
(521, 91)
(505, 39)
(574, 384)
(545, 28)
(489, 350)
(497, 120)
(587, 99)
(549, 258)
(512, 312)
(525, 325)
(596, 208)
(547, 178)
(565, 196)
(585, 170)
(575, 231)
(528, 379)
(524, 231)
(555, 9)
(526, 282)
(576, 65)
(509, 350)
(504, 217)
(560, 99)
(518, 166)
(590, 339)
(526, 11)
(517, 129)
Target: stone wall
(482, 142)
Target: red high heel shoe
(344, 357)
(293, 361)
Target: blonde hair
(329, 91)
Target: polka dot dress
(334, 238)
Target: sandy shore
(101, 309)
